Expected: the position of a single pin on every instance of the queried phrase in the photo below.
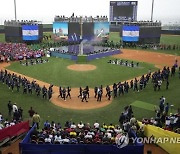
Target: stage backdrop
(60, 31)
(101, 30)
(88, 31)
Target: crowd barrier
(167, 140)
(15, 130)
(27, 148)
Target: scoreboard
(123, 11)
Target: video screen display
(150, 32)
(123, 10)
(101, 30)
(74, 32)
(30, 32)
(60, 31)
(88, 31)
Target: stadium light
(15, 10)
(152, 10)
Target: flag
(30, 32)
(130, 33)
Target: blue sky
(44, 10)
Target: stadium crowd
(16, 114)
(74, 18)
(18, 51)
(150, 46)
(84, 133)
(165, 119)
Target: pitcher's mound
(81, 67)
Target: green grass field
(56, 72)
(2, 37)
(108, 114)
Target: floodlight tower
(152, 10)
(15, 10)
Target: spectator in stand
(121, 119)
(31, 112)
(16, 115)
(1, 117)
(161, 105)
(80, 125)
(14, 108)
(166, 108)
(1, 125)
(9, 108)
(57, 138)
(47, 125)
(20, 110)
(73, 126)
(48, 139)
(133, 120)
(36, 119)
(96, 125)
(130, 112)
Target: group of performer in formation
(14, 81)
(33, 62)
(124, 63)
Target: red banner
(14, 130)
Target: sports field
(55, 72)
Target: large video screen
(150, 32)
(101, 30)
(74, 32)
(123, 10)
(88, 31)
(60, 31)
(30, 32)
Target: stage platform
(89, 52)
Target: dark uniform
(99, 94)
(87, 90)
(44, 92)
(10, 108)
(60, 92)
(84, 95)
(64, 93)
(68, 92)
(115, 90)
(95, 92)
(80, 92)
